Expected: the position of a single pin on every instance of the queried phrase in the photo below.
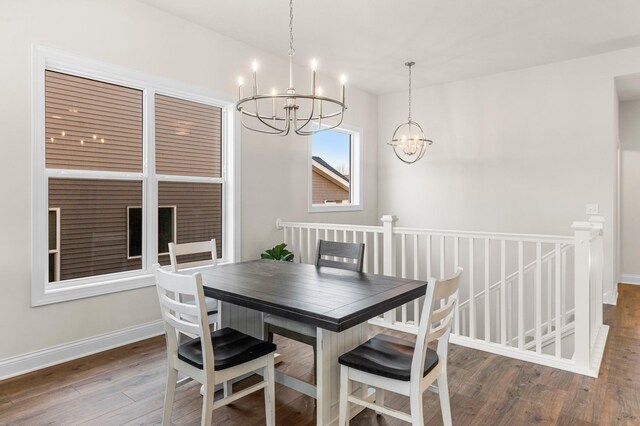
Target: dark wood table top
(330, 298)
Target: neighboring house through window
(119, 159)
(335, 169)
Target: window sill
(114, 284)
(334, 208)
(56, 294)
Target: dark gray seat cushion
(230, 348)
(387, 356)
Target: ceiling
(369, 40)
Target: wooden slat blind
(92, 125)
(198, 213)
(93, 225)
(188, 137)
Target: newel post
(582, 293)
(389, 256)
(597, 260)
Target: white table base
(330, 346)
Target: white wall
(520, 151)
(135, 36)
(630, 190)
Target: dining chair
(329, 253)
(390, 363)
(194, 248)
(212, 357)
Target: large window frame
(356, 187)
(45, 292)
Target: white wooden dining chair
(198, 247)
(389, 363)
(212, 357)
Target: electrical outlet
(592, 209)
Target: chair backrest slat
(354, 252)
(446, 287)
(184, 327)
(178, 307)
(442, 312)
(435, 323)
(197, 247)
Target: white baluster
(309, 259)
(487, 294)
(558, 288)
(376, 254)
(521, 336)
(472, 293)
(549, 293)
(503, 292)
(416, 276)
(442, 255)
(538, 298)
(429, 275)
(456, 261)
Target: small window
(166, 230)
(334, 171)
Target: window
(120, 156)
(166, 230)
(334, 172)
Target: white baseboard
(629, 279)
(20, 364)
(610, 297)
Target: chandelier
(277, 113)
(409, 142)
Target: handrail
(511, 277)
(331, 226)
(535, 238)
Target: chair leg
(345, 391)
(172, 378)
(415, 401)
(443, 391)
(379, 398)
(207, 405)
(270, 394)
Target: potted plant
(279, 252)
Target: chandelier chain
(292, 51)
(409, 93)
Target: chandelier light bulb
(343, 79)
(319, 91)
(254, 66)
(314, 64)
(240, 81)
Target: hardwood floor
(125, 386)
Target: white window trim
(175, 228)
(356, 189)
(43, 292)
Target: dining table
(338, 302)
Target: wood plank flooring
(125, 386)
